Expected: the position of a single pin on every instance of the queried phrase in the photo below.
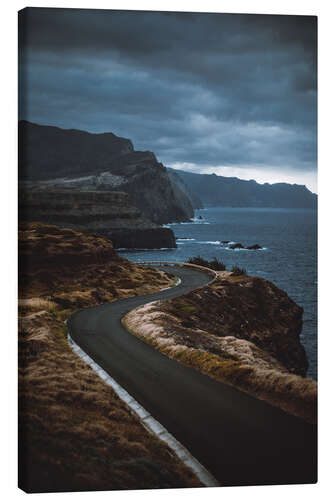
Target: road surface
(239, 439)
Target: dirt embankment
(243, 331)
(76, 269)
(74, 431)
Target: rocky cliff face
(104, 213)
(243, 331)
(81, 160)
(184, 188)
(253, 309)
(49, 152)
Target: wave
(185, 239)
(197, 219)
(143, 249)
(227, 243)
(185, 223)
(193, 221)
(209, 242)
(243, 249)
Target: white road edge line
(152, 425)
(172, 286)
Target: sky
(231, 94)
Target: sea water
(288, 258)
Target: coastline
(232, 359)
(289, 261)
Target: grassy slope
(206, 330)
(75, 433)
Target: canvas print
(167, 324)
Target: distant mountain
(78, 160)
(215, 190)
(178, 181)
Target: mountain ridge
(216, 190)
(48, 154)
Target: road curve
(239, 439)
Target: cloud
(204, 89)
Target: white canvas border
(8, 247)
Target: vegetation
(185, 308)
(238, 271)
(74, 431)
(235, 332)
(213, 264)
(216, 265)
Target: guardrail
(181, 264)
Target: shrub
(186, 309)
(213, 264)
(217, 265)
(198, 261)
(237, 271)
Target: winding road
(239, 439)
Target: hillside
(242, 331)
(215, 190)
(105, 162)
(74, 431)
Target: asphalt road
(239, 439)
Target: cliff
(215, 190)
(240, 330)
(105, 213)
(79, 159)
(255, 310)
(183, 187)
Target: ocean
(288, 258)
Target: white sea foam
(243, 249)
(143, 249)
(185, 239)
(192, 221)
(235, 249)
(209, 242)
(170, 224)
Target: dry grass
(36, 304)
(72, 268)
(50, 283)
(191, 334)
(74, 431)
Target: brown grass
(188, 329)
(36, 304)
(74, 431)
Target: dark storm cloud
(204, 89)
